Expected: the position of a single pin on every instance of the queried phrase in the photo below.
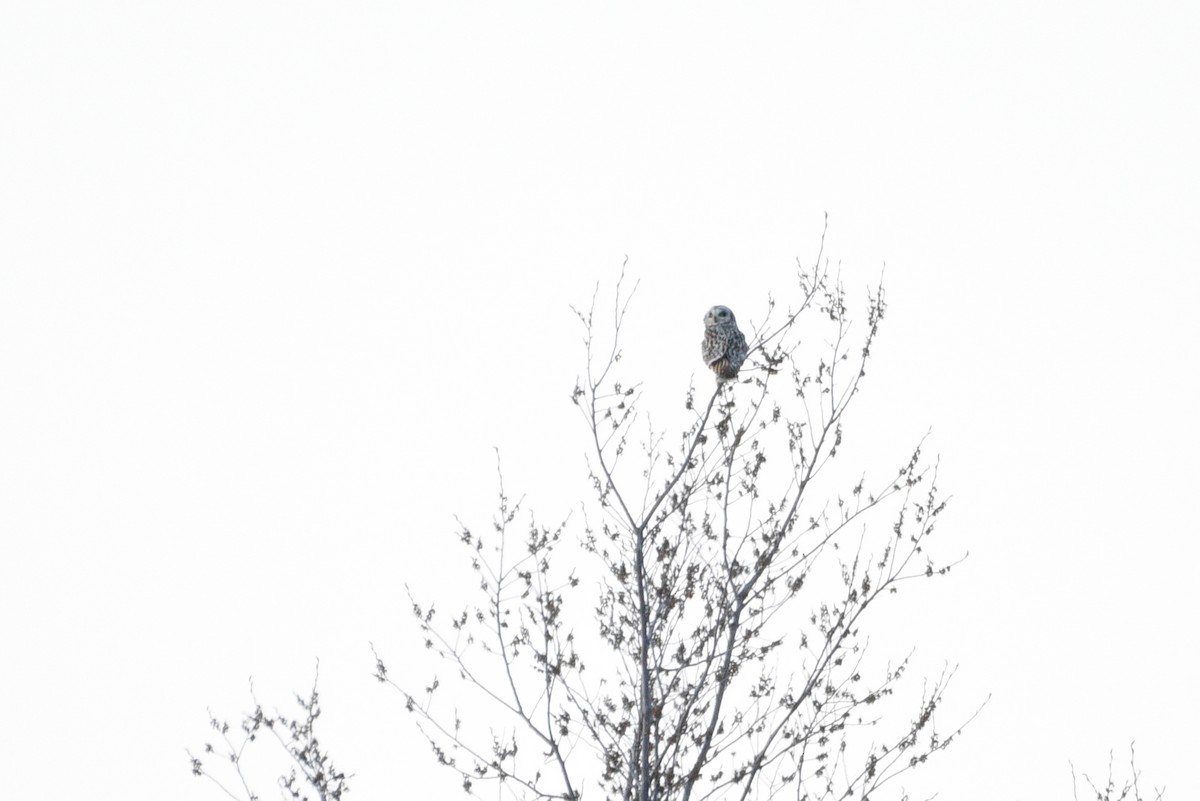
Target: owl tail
(724, 369)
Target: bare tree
(309, 768)
(1109, 791)
(723, 655)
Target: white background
(276, 277)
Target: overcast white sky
(275, 277)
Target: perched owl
(724, 346)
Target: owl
(724, 346)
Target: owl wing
(713, 346)
(737, 349)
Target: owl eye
(722, 313)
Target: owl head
(719, 316)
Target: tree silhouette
(700, 634)
(309, 766)
(722, 654)
(1129, 789)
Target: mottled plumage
(724, 346)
